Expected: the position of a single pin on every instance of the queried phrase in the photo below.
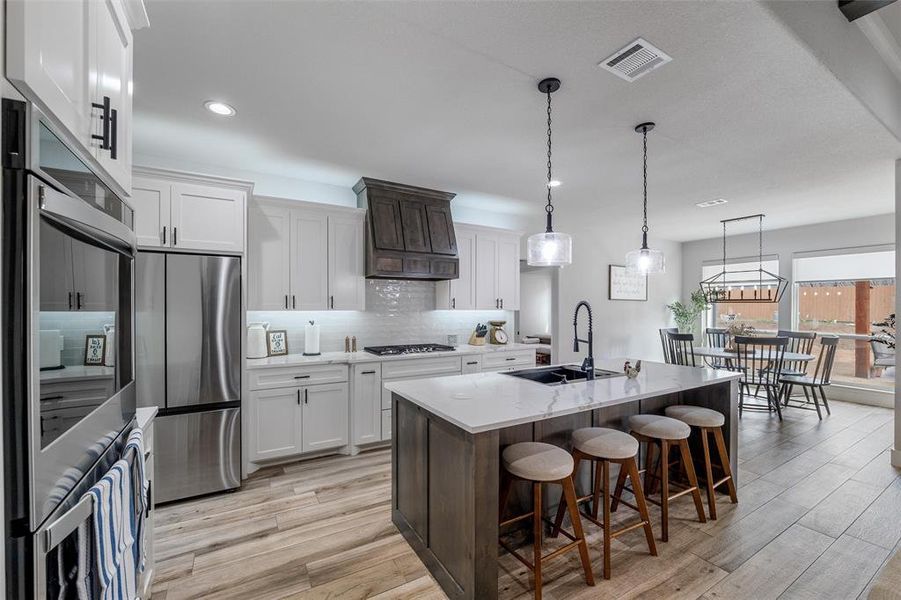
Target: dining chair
(799, 342)
(760, 361)
(681, 349)
(817, 382)
(717, 337)
(665, 342)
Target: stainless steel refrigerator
(188, 362)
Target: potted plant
(686, 314)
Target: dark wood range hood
(409, 231)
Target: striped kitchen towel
(134, 450)
(115, 525)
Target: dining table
(723, 354)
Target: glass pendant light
(550, 248)
(645, 260)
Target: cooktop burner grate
(407, 349)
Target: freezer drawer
(197, 453)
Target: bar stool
(664, 432)
(540, 463)
(605, 446)
(708, 422)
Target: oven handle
(60, 529)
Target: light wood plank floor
(818, 516)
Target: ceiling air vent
(636, 59)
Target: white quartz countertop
(327, 358)
(487, 401)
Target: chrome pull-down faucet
(588, 363)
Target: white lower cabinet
(295, 410)
(277, 426)
(472, 364)
(386, 424)
(324, 417)
(508, 361)
(367, 403)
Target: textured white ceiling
(442, 94)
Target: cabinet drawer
(266, 379)
(472, 364)
(421, 367)
(502, 360)
(386, 424)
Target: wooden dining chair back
(822, 374)
(717, 337)
(681, 349)
(799, 342)
(664, 341)
(812, 385)
(760, 361)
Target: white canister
(256, 340)
(109, 330)
(311, 339)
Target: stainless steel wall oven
(68, 249)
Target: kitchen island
(449, 432)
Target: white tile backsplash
(74, 326)
(397, 312)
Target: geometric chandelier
(730, 286)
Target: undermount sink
(560, 374)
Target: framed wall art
(277, 342)
(624, 285)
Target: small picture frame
(277, 342)
(94, 350)
(624, 285)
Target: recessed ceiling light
(220, 108)
(710, 203)
(554, 183)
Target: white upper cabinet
(305, 257)
(486, 271)
(207, 217)
(111, 78)
(309, 260)
(73, 58)
(347, 289)
(508, 271)
(460, 293)
(268, 266)
(151, 200)
(189, 212)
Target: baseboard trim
(896, 457)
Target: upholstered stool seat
(696, 416)
(709, 422)
(601, 442)
(659, 427)
(604, 447)
(536, 461)
(540, 464)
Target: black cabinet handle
(78, 300)
(298, 396)
(175, 236)
(149, 497)
(367, 372)
(286, 301)
(301, 377)
(113, 146)
(306, 396)
(293, 301)
(502, 303)
(472, 363)
(331, 302)
(511, 358)
(453, 303)
(70, 300)
(105, 117)
(164, 235)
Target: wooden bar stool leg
(711, 495)
(618, 490)
(664, 490)
(562, 506)
(649, 469)
(536, 533)
(692, 479)
(605, 481)
(631, 466)
(724, 460)
(596, 495)
(569, 493)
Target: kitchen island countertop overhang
(485, 401)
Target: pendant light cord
(550, 207)
(644, 228)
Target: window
(763, 316)
(844, 294)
